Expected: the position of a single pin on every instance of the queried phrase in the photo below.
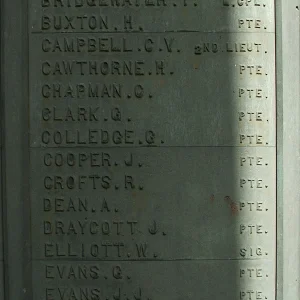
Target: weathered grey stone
(288, 148)
(141, 145)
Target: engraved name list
(152, 135)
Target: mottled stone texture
(140, 139)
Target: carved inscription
(153, 149)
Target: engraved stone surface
(152, 149)
(1, 230)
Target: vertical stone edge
(2, 293)
(15, 154)
(288, 149)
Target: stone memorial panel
(152, 149)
